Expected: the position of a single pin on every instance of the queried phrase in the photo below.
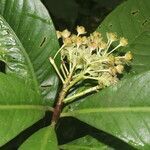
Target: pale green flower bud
(123, 41)
(81, 30)
(65, 33)
(128, 56)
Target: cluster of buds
(92, 57)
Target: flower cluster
(92, 57)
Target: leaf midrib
(45, 140)
(25, 107)
(78, 146)
(109, 110)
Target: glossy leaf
(44, 139)
(13, 54)
(85, 143)
(130, 19)
(34, 28)
(122, 110)
(20, 107)
(140, 48)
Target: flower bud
(118, 61)
(80, 30)
(111, 59)
(128, 56)
(79, 41)
(96, 34)
(102, 45)
(84, 40)
(65, 33)
(67, 41)
(123, 41)
(111, 36)
(58, 33)
(119, 69)
(113, 71)
(73, 38)
(93, 46)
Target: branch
(71, 98)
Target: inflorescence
(90, 57)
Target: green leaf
(14, 55)
(20, 107)
(130, 19)
(34, 28)
(44, 139)
(122, 110)
(140, 48)
(85, 143)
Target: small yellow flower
(123, 41)
(93, 45)
(118, 61)
(102, 45)
(84, 40)
(65, 33)
(111, 59)
(67, 41)
(128, 56)
(113, 71)
(80, 30)
(119, 69)
(96, 34)
(111, 36)
(79, 41)
(73, 38)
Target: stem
(59, 104)
(108, 45)
(79, 78)
(71, 98)
(59, 50)
(120, 57)
(66, 87)
(63, 71)
(70, 65)
(64, 65)
(92, 78)
(55, 67)
(102, 60)
(114, 49)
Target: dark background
(70, 13)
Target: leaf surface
(44, 139)
(20, 107)
(85, 143)
(34, 28)
(129, 19)
(140, 48)
(14, 55)
(122, 110)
